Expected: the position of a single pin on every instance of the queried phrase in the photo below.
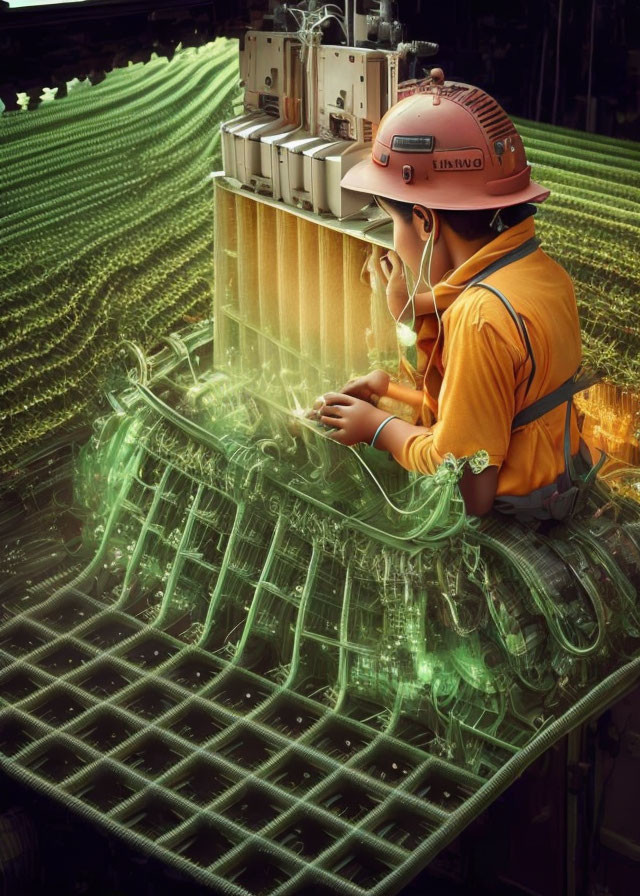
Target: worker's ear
(424, 221)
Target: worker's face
(409, 237)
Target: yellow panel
(299, 300)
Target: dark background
(515, 848)
(534, 56)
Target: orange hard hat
(450, 146)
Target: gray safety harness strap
(550, 401)
(558, 499)
(519, 252)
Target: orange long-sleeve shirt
(476, 367)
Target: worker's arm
(378, 384)
(355, 421)
(406, 394)
(476, 405)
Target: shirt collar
(450, 287)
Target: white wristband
(381, 427)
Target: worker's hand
(390, 270)
(368, 388)
(352, 419)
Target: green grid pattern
(218, 772)
(215, 674)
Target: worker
(493, 318)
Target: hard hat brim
(367, 177)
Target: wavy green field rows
(107, 229)
(591, 224)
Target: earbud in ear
(431, 223)
(424, 217)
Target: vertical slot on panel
(288, 297)
(248, 281)
(332, 301)
(267, 292)
(309, 296)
